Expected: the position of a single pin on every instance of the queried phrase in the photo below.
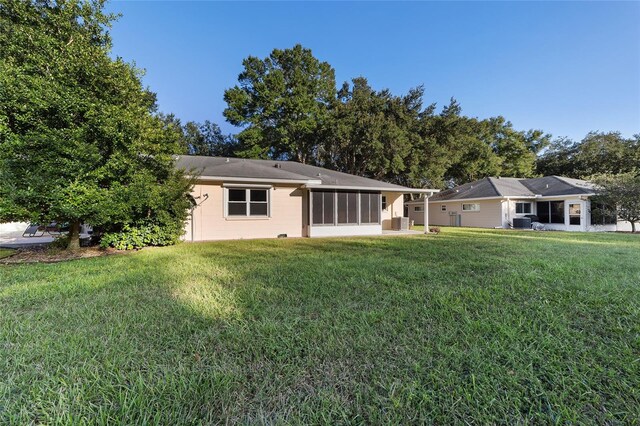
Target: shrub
(60, 242)
(135, 237)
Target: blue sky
(563, 67)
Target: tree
(463, 149)
(622, 191)
(282, 102)
(597, 153)
(79, 140)
(208, 139)
(369, 133)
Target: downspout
(193, 208)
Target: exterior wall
(489, 216)
(417, 217)
(501, 212)
(509, 211)
(394, 209)
(287, 210)
(584, 220)
(289, 214)
(344, 230)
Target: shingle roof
(278, 170)
(555, 185)
(512, 187)
(479, 189)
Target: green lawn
(5, 252)
(468, 326)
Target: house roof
(282, 171)
(496, 187)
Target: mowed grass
(5, 252)
(469, 326)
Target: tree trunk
(633, 227)
(74, 235)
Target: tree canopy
(597, 153)
(79, 137)
(289, 108)
(283, 102)
(623, 192)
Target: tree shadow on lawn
(359, 330)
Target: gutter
(260, 180)
(510, 197)
(381, 189)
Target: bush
(60, 242)
(135, 237)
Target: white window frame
(578, 215)
(443, 207)
(247, 201)
(418, 209)
(383, 200)
(475, 207)
(524, 202)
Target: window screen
(369, 207)
(347, 207)
(322, 207)
(551, 211)
(557, 211)
(601, 214)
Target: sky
(566, 68)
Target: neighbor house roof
(275, 171)
(496, 187)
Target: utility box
(400, 224)
(455, 219)
(522, 223)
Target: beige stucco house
(556, 202)
(241, 198)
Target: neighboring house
(559, 204)
(241, 198)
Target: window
(347, 207)
(369, 207)
(384, 202)
(550, 211)
(341, 208)
(443, 208)
(417, 209)
(472, 207)
(574, 214)
(601, 214)
(523, 208)
(247, 202)
(322, 207)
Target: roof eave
(371, 188)
(258, 180)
